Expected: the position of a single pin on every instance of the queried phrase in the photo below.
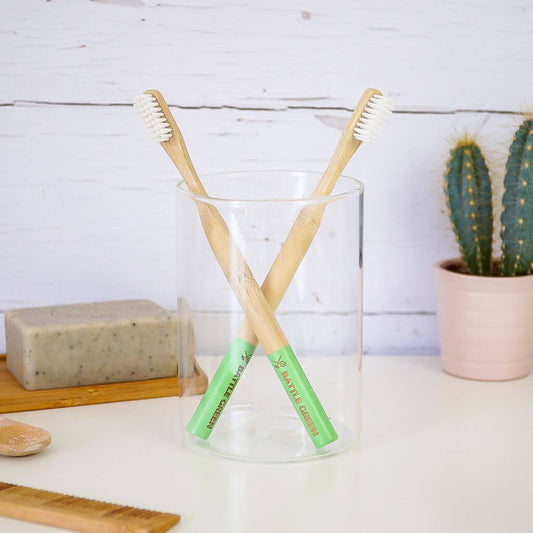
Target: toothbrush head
(149, 109)
(376, 112)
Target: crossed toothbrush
(259, 303)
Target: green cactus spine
(517, 215)
(469, 198)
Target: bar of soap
(87, 344)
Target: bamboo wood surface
(308, 221)
(79, 514)
(233, 263)
(14, 398)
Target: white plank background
(87, 202)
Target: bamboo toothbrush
(367, 119)
(160, 123)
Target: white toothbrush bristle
(154, 119)
(376, 112)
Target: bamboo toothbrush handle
(267, 328)
(279, 277)
(234, 266)
(308, 221)
(251, 297)
(227, 253)
(286, 264)
(241, 279)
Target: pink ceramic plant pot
(485, 324)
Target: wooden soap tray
(14, 398)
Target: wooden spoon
(18, 439)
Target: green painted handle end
(303, 397)
(221, 388)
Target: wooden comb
(79, 514)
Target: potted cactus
(485, 303)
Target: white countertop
(437, 454)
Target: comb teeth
(154, 119)
(377, 111)
(56, 509)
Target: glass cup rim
(358, 188)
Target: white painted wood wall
(87, 201)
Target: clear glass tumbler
(255, 409)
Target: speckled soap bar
(86, 344)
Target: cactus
(469, 198)
(517, 215)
